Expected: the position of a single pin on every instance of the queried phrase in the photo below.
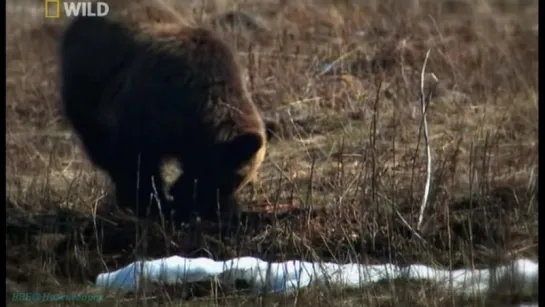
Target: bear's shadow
(112, 239)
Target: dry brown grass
(348, 140)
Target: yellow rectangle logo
(52, 8)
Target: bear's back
(191, 81)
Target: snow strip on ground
(292, 275)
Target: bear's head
(240, 159)
(213, 188)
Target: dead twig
(424, 108)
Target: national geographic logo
(52, 8)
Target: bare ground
(342, 81)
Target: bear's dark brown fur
(136, 94)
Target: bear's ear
(242, 148)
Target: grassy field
(342, 80)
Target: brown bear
(136, 94)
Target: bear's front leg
(141, 189)
(184, 203)
(203, 198)
(217, 204)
